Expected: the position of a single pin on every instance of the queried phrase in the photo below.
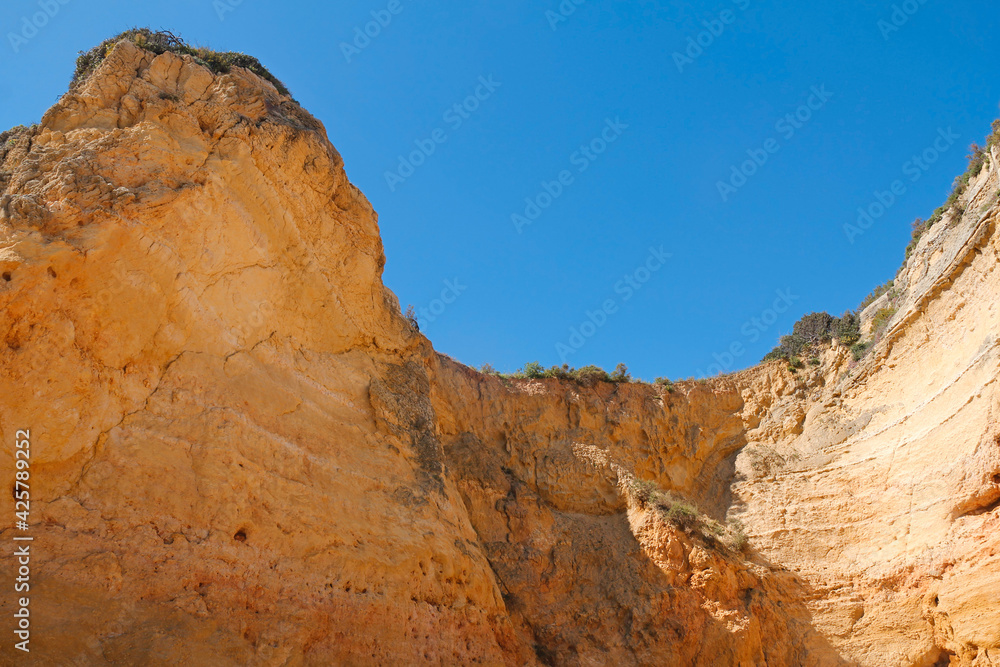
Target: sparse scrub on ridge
(979, 157)
(882, 317)
(884, 288)
(587, 375)
(685, 515)
(917, 229)
(162, 41)
(621, 374)
(880, 324)
(812, 330)
(847, 328)
(666, 383)
(816, 328)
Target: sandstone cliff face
(242, 453)
(227, 467)
(886, 500)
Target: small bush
(643, 490)
(563, 372)
(978, 158)
(220, 62)
(812, 328)
(411, 317)
(881, 319)
(666, 383)
(533, 370)
(788, 346)
(875, 294)
(859, 350)
(816, 328)
(847, 328)
(815, 361)
(774, 354)
(678, 512)
(685, 515)
(621, 374)
(591, 374)
(736, 538)
(487, 369)
(587, 376)
(918, 228)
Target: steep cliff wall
(243, 454)
(886, 501)
(228, 466)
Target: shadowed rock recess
(242, 454)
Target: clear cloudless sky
(656, 185)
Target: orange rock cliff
(242, 454)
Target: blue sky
(618, 120)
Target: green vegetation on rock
(162, 41)
(686, 516)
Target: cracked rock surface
(242, 454)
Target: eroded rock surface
(243, 454)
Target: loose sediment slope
(243, 454)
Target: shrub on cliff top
(587, 375)
(994, 138)
(666, 383)
(847, 328)
(811, 330)
(875, 294)
(162, 41)
(621, 374)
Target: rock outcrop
(243, 454)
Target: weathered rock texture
(243, 455)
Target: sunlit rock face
(243, 455)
